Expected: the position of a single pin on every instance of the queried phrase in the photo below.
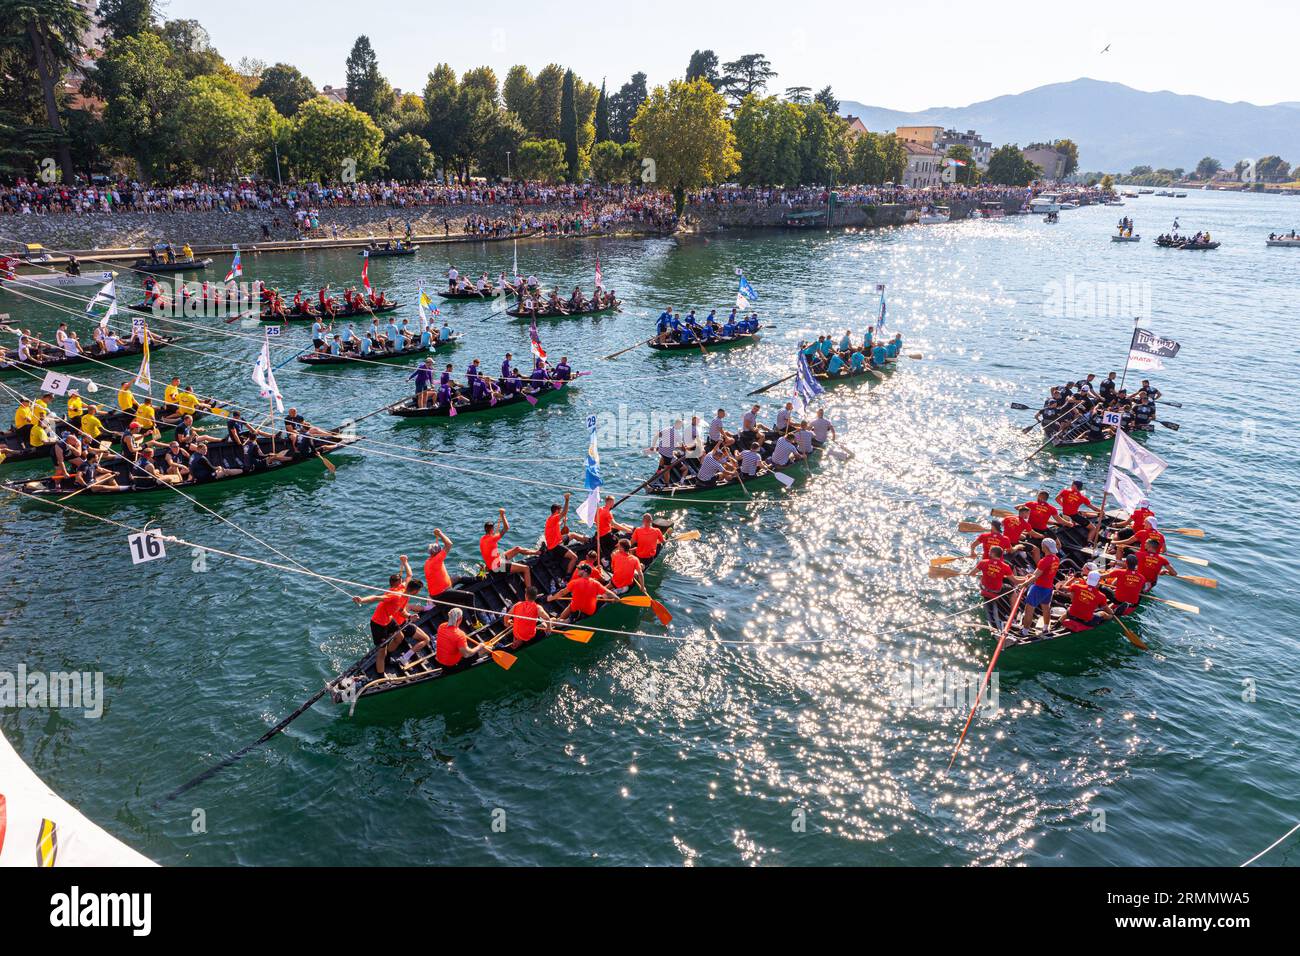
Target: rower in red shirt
(1087, 604)
(554, 535)
(525, 616)
(1073, 501)
(584, 594)
(436, 578)
(392, 623)
(989, 539)
(1137, 521)
(993, 573)
(1039, 596)
(489, 547)
(1041, 515)
(1151, 564)
(625, 568)
(606, 526)
(1123, 586)
(647, 539)
(453, 646)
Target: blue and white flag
(745, 293)
(806, 386)
(591, 480)
(880, 323)
(106, 294)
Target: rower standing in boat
(555, 534)
(489, 547)
(625, 569)
(423, 376)
(392, 622)
(1076, 507)
(647, 539)
(1038, 599)
(750, 429)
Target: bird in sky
(1107, 50)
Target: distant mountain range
(1115, 126)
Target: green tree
(803, 95)
(1108, 183)
(623, 107)
(139, 87)
(51, 32)
(542, 160)
(609, 162)
(682, 129)
(408, 158)
(893, 156)
(191, 49)
(826, 97)
(819, 145)
(1207, 167)
(332, 141)
(545, 121)
(569, 126)
(286, 87)
(704, 66)
(440, 104)
(1272, 169)
(368, 91)
(1009, 167)
(1071, 152)
(217, 128)
(602, 115)
(483, 79)
(747, 75)
(520, 94)
(499, 151)
(125, 18)
(768, 131)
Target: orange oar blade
(504, 659)
(970, 527)
(661, 612)
(582, 637)
(692, 535)
(1190, 532)
(944, 559)
(944, 573)
(1001, 512)
(635, 600)
(1202, 582)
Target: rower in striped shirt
(822, 427)
(784, 452)
(716, 465)
(803, 439)
(718, 435)
(750, 430)
(751, 461)
(784, 418)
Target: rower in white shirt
(717, 433)
(784, 453)
(783, 417)
(822, 427)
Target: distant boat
(58, 280)
(1291, 241)
(1047, 202)
(935, 214)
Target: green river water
(708, 743)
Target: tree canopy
(684, 138)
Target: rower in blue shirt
(846, 343)
(426, 338)
(394, 337)
(667, 321)
(335, 346)
(729, 330)
(349, 336)
(895, 346)
(826, 347)
(751, 323)
(879, 357)
(810, 351)
(711, 327)
(857, 360)
(868, 340)
(835, 365)
(363, 345)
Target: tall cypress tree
(569, 126)
(602, 115)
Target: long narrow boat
(518, 313)
(336, 317)
(485, 602)
(407, 408)
(69, 361)
(380, 252)
(56, 280)
(739, 489)
(114, 424)
(1137, 238)
(867, 374)
(316, 359)
(1293, 243)
(1082, 444)
(180, 265)
(475, 296)
(734, 341)
(223, 454)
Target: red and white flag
(600, 278)
(365, 271)
(534, 342)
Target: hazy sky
(910, 56)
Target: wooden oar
(1198, 581)
(692, 535)
(643, 484)
(1132, 638)
(938, 572)
(637, 345)
(970, 527)
(1190, 532)
(948, 559)
(582, 637)
(635, 600)
(1190, 608)
(771, 385)
(1001, 513)
(1172, 426)
(1006, 629)
(327, 463)
(1200, 562)
(503, 659)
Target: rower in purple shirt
(562, 372)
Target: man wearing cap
(1039, 596)
(1088, 606)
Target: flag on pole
(806, 386)
(745, 293)
(365, 271)
(1122, 488)
(534, 342)
(600, 279)
(108, 293)
(1132, 457)
(424, 303)
(236, 269)
(143, 379)
(880, 323)
(953, 162)
(591, 478)
(1147, 350)
(515, 271)
(264, 376)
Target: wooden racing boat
(407, 408)
(383, 252)
(56, 280)
(220, 453)
(1293, 243)
(518, 313)
(180, 265)
(316, 359)
(733, 489)
(342, 314)
(485, 601)
(133, 349)
(114, 424)
(1135, 238)
(475, 296)
(844, 378)
(734, 341)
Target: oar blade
(944, 573)
(692, 535)
(582, 637)
(970, 527)
(945, 559)
(785, 480)
(661, 612)
(1199, 581)
(1189, 532)
(635, 600)
(504, 659)
(1132, 637)
(1001, 513)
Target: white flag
(108, 293)
(1121, 487)
(264, 377)
(1131, 456)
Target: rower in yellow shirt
(187, 402)
(76, 407)
(90, 425)
(125, 399)
(144, 415)
(37, 437)
(171, 396)
(22, 415)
